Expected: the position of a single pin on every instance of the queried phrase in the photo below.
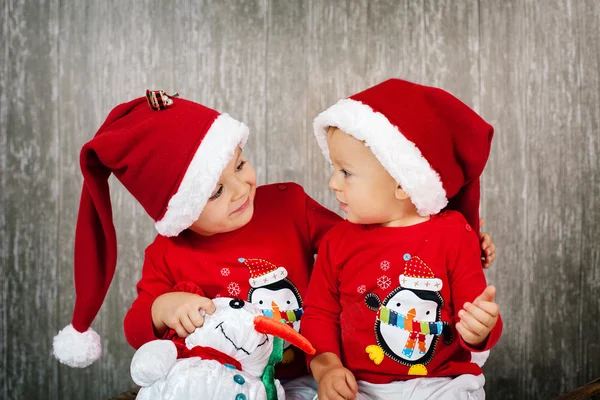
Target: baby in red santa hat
(398, 301)
(218, 234)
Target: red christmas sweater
(267, 262)
(386, 300)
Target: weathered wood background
(531, 68)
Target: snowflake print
(361, 289)
(385, 265)
(384, 282)
(225, 271)
(233, 289)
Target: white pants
(303, 388)
(468, 387)
(462, 387)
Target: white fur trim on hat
(399, 156)
(77, 349)
(203, 172)
(421, 283)
(271, 277)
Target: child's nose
(333, 184)
(241, 189)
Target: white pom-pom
(76, 349)
(153, 361)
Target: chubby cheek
(367, 209)
(214, 219)
(249, 175)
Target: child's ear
(401, 194)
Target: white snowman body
(229, 330)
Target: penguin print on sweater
(275, 295)
(408, 323)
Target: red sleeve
(156, 280)
(321, 319)
(467, 281)
(319, 220)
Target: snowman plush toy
(232, 356)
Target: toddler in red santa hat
(398, 302)
(218, 234)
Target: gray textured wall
(531, 68)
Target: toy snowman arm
(153, 361)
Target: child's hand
(180, 311)
(487, 246)
(335, 382)
(477, 319)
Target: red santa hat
(169, 154)
(430, 142)
(263, 272)
(417, 275)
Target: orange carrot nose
(274, 327)
(276, 313)
(412, 313)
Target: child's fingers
(351, 381)
(196, 318)
(486, 241)
(206, 304)
(491, 250)
(470, 322)
(342, 389)
(466, 334)
(481, 223)
(187, 324)
(181, 332)
(488, 295)
(489, 307)
(332, 394)
(480, 314)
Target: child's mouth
(243, 206)
(343, 206)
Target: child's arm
(321, 326)
(475, 311)
(145, 322)
(333, 379)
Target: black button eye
(427, 313)
(397, 304)
(260, 302)
(289, 302)
(236, 303)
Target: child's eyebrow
(341, 162)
